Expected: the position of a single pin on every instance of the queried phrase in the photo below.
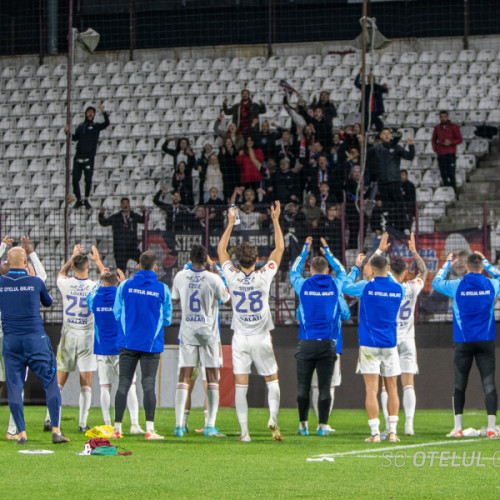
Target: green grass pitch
(200, 467)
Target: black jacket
(178, 219)
(387, 160)
(124, 231)
(87, 135)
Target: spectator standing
(177, 214)
(313, 214)
(245, 112)
(201, 166)
(330, 226)
(286, 184)
(251, 220)
(182, 152)
(445, 139)
(231, 133)
(87, 136)
(143, 305)
(374, 101)
(249, 161)
(124, 227)
(182, 181)
(326, 104)
(229, 169)
(409, 199)
(215, 207)
(213, 177)
(265, 138)
(388, 158)
(285, 148)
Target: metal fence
(172, 238)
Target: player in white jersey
(406, 335)
(199, 292)
(34, 268)
(252, 321)
(76, 347)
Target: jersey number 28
(255, 304)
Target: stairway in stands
(483, 185)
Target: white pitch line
(400, 447)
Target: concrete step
(488, 163)
(485, 174)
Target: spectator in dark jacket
(387, 157)
(182, 182)
(409, 199)
(230, 171)
(323, 130)
(182, 152)
(286, 184)
(374, 101)
(177, 214)
(215, 207)
(87, 136)
(124, 226)
(445, 139)
(265, 138)
(245, 112)
(330, 227)
(285, 148)
(326, 104)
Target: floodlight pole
(466, 24)
(363, 131)
(68, 123)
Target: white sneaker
(136, 429)
(327, 428)
(245, 438)
(455, 434)
(409, 431)
(152, 435)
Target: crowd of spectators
(312, 169)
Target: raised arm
(336, 265)
(223, 242)
(350, 287)
(96, 259)
(103, 220)
(419, 262)
(67, 265)
(296, 277)
(5, 243)
(442, 285)
(30, 252)
(167, 308)
(279, 241)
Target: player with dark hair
(199, 293)
(474, 332)
(143, 306)
(380, 302)
(319, 315)
(87, 136)
(407, 350)
(76, 347)
(106, 333)
(252, 321)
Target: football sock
(492, 421)
(212, 403)
(133, 405)
(374, 424)
(383, 402)
(241, 404)
(332, 395)
(315, 397)
(409, 403)
(458, 422)
(150, 426)
(106, 403)
(118, 427)
(205, 414)
(185, 418)
(393, 424)
(303, 426)
(273, 398)
(85, 400)
(181, 395)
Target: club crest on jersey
(271, 265)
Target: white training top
(406, 326)
(76, 314)
(250, 298)
(199, 293)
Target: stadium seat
(294, 61)
(126, 146)
(400, 69)
(238, 63)
(342, 71)
(185, 64)
(486, 55)
(467, 56)
(33, 150)
(191, 75)
(179, 89)
(235, 87)
(478, 146)
(246, 74)
(136, 79)
(444, 194)
(255, 86)
(146, 104)
(106, 92)
(173, 77)
(395, 119)
(120, 131)
(131, 67)
(283, 73)
(410, 58)
(47, 135)
(447, 56)
(438, 69)
(154, 77)
(167, 65)
(161, 90)
(312, 61)
(457, 92)
(275, 62)
(457, 68)
(494, 117)
(44, 70)
(488, 103)
(478, 68)
(203, 64)
(95, 68)
(428, 81)
(405, 104)
(487, 79)
(424, 194)
(476, 117)
(184, 101)
(211, 75)
(127, 105)
(198, 88)
(221, 63)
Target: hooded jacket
(143, 305)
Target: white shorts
(76, 351)
(199, 355)
(108, 369)
(378, 360)
(336, 377)
(256, 348)
(2, 364)
(408, 356)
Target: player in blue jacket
(107, 330)
(143, 305)
(319, 316)
(378, 355)
(25, 343)
(474, 331)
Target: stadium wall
(434, 384)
